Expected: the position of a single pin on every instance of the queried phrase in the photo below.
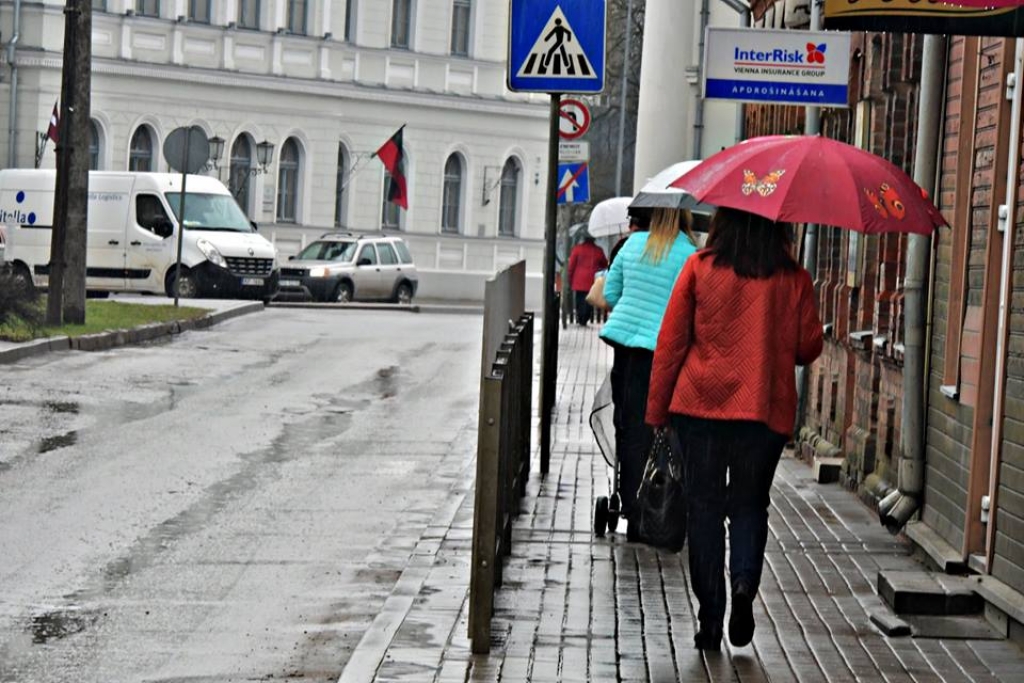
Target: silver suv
(341, 266)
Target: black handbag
(661, 498)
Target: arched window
(340, 196)
(140, 154)
(509, 199)
(94, 145)
(288, 182)
(451, 201)
(240, 173)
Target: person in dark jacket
(637, 223)
(742, 316)
(585, 261)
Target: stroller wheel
(614, 511)
(600, 516)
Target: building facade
(321, 85)
(969, 513)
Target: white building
(326, 83)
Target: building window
(147, 8)
(99, 5)
(140, 154)
(249, 14)
(199, 11)
(451, 202)
(297, 16)
(460, 27)
(288, 182)
(339, 188)
(401, 23)
(240, 171)
(350, 20)
(94, 146)
(391, 216)
(509, 199)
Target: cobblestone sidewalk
(576, 608)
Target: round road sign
(187, 144)
(573, 119)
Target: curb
(404, 308)
(103, 341)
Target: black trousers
(746, 453)
(631, 380)
(583, 309)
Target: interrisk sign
(924, 16)
(556, 46)
(780, 67)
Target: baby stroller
(607, 509)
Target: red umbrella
(813, 179)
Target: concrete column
(664, 120)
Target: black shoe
(708, 638)
(741, 619)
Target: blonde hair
(665, 227)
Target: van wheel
(189, 288)
(22, 280)
(343, 293)
(403, 294)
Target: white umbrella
(610, 217)
(657, 193)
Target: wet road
(234, 505)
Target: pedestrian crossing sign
(557, 46)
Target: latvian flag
(393, 157)
(52, 131)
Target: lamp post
(216, 150)
(264, 155)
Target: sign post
(556, 47)
(186, 149)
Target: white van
(132, 238)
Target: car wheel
(188, 289)
(343, 293)
(403, 294)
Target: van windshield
(209, 212)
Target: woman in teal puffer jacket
(638, 287)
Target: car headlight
(321, 271)
(211, 253)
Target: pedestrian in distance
(742, 316)
(638, 287)
(585, 261)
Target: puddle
(60, 624)
(387, 381)
(62, 407)
(52, 443)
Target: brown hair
(751, 245)
(665, 227)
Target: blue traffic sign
(574, 183)
(556, 46)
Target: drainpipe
(895, 509)
(12, 48)
(698, 118)
(1007, 223)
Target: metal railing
(503, 445)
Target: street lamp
(264, 154)
(216, 149)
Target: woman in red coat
(585, 261)
(742, 316)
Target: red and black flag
(393, 157)
(53, 131)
